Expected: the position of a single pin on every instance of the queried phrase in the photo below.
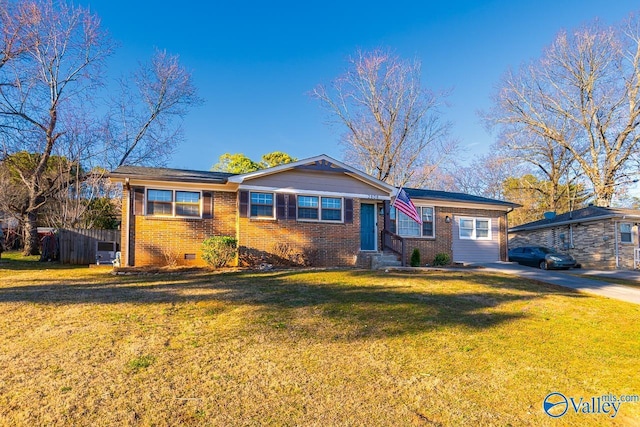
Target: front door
(367, 227)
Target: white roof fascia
(457, 204)
(288, 166)
(575, 221)
(150, 182)
(368, 197)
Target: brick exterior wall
(293, 242)
(593, 243)
(158, 240)
(282, 242)
(443, 241)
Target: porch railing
(394, 243)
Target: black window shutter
(138, 200)
(244, 204)
(291, 214)
(281, 211)
(348, 211)
(207, 204)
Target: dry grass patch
(297, 348)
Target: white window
(409, 228)
(314, 208)
(427, 221)
(307, 207)
(474, 228)
(261, 205)
(173, 203)
(467, 228)
(482, 229)
(160, 202)
(626, 235)
(331, 209)
(187, 203)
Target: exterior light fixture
(447, 219)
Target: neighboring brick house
(316, 211)
(597, 237)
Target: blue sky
(254, 62)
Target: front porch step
(378, 260)
(385, 259)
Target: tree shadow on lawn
(26, 265)
(362, 303)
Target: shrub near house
(219, 251)
(415, 258)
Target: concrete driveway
(575, 279)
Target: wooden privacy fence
(83, 246)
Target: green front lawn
(83, 347)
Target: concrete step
(383, 260)
(395, 263)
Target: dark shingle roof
(589, 213)
(167, 174)
(418, 193)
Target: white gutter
(573, 221)
(127, 226)
(571, 246)
(506, 229)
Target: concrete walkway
(575, 279)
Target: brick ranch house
(316, 211)
(597, 237)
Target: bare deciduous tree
(144, 125)
(15, 29)
(483, 176)
(64, 53)
(82, 201)
(581, 97)
(552, 163)
(51, 69)
(535, 197)
(394, 125)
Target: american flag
(404, 204)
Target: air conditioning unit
(106, 252)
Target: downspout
(506, 231)
(127, 225)
(615, 235)
(571, 246)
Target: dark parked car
(539, 256)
